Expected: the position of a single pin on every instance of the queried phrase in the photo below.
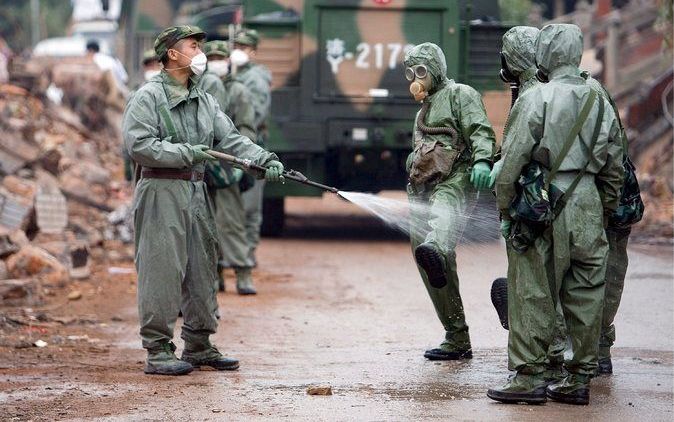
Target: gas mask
(507, 76)
(239, 57)
(149, 74)
(421, 81)
(541, 75)
(219, 67)
(197, 63)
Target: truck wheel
(273, 217)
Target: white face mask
(197, 63)
(239, 57)
(219, 67)
(149, 74)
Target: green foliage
(15, 21)
(515, 12)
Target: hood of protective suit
(519, 48)
(432, 56)
(558, 45)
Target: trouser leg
(616, 269)
(161, 257)
(252, 200)
(200, 284)
(531, 308)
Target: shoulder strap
(575, 130)
(595, 135)
(166, 115)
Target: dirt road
(340, 303)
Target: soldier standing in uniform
(257, 79)
(230, 215)
(453, 147)
(168, 126)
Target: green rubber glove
(505, 228)
(479, 177)
(495, 172)
(200, 155)
(237, 175)
(274, 172)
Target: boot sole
(514, 398)
(437, 356)
(155, 371)
(565, 398)
(499, 298)
(431, 262)
(228, 368)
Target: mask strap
(181, 67)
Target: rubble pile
(60, 173)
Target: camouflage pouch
(432, 163)
(631, 207)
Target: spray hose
(293, 175)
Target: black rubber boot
(162, 361)
(520, 388)
(209, 357)
(440, 354)
(574, 389)
(428, 258)
(605, 366)
(499, 298)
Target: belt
(178, 174)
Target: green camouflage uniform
(460, 107)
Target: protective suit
(442, 186)
(575, 246)
(616, 267)
(257, 79)
(176, 250)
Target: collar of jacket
(566, 72)
(527, 78)
(445, 83)
(175, 91)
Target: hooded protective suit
(176, 249)
(459, 107)
(575, 246)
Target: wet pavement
(341, 303)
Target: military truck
(341, 110)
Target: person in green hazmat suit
(518, 67)
(257, 78)
(168, 126)
(225, 190)
(453, 147)
(575, 245)
(518, 52)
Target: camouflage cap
(247, 37)
(216, 48)
(149, 55)
(172, 35)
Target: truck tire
(273, 217)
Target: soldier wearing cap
(225, 185)
(168, 126)
(257, 79)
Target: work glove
(479, 177)
(274, 172)
(505, 228)
(237, 175)
(494, 173)
(200, 155)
